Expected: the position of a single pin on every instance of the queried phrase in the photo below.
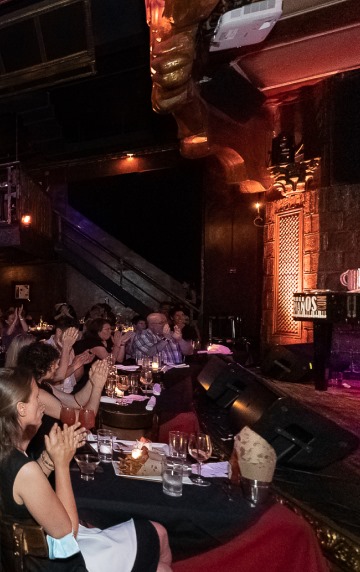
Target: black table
(200, 519)
(176, 397)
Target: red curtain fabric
(280, 541)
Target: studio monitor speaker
(301, 437)
(226, 381)
(288, 363)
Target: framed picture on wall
(21, 291)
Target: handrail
(111, 268)
(124, 263)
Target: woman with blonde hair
(18, 342)
(30, 509)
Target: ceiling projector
(245, 26)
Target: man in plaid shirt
(159, 339)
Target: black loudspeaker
(232, 94)
(225, 381)
(288, 363)
(303, 438)
(300, 437)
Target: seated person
(13, 324)
(159, 339)
(139, 325)
(64, 310)
(177, 317)
(71, 367)
(18, 342)
(102, 343)
(28, 498)
(100, 310)
(42, 360)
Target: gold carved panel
(288, 270)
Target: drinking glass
(146, 379)
(200, 449)
(87, 464)
(67, 415)
(134, 383)
(122, 384)
(172, 478)
(87, 419)
(178, 442)
(105, 445)
(110, 384)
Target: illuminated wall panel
(288, 270)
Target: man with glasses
(159, 339)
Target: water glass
(178, 443)
(134, 383)
(257, 492)
(105, 448)
(87, 464)
(172, 478)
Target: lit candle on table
(136, 453)
(155, 366)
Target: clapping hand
(98, 373)
(82, 359)
(167, 332)
(61, 444)
(120, 338)
(177, 334)
(69, 337)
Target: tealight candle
(155, 366)
(136, 453)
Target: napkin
(105, 399)
(256, 458)
(218, 349)
(127, 367)
(128, 399)
(168, 366)
(213, 469)
(156, 389)
(152, 402)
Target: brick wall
(329, 245)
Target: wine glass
(146, 379)
(67, 415)
(110, 383)
(87, 419)
(122, 385)
(200, 449)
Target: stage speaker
(288, 363)
(302, 438)
(231, 93)
(225, 381)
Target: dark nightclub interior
(202, 154)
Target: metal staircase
(115, 268)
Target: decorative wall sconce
(258, 220)
(293, 178)
(26, 220)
